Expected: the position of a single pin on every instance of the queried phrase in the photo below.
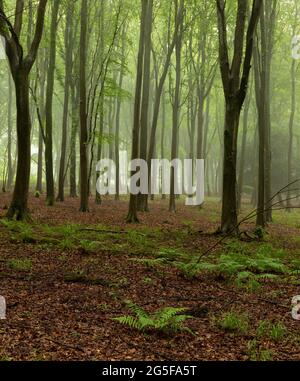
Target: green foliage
(66, 244)
(233, 322)
(37, 194)
(259, 232)
(67, 230)
(169, 319)
(171, 254)
(246, 269)
(90, 246)
(147, 280)
(19, 264)
(255, 353)
(20, 231)
(275, 332)
(150, 262)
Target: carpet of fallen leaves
(51, 319)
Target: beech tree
(235, 77)
(49, 106)
(84, 196)
(20, 67)
(132, 211)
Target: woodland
(92, 275)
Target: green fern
(169, 319)
(150, 262)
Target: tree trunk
(229, 205)
(132, 211)
(39, 181)
(68, 77)
(84, 189)
(142, 198)
(9, 133)
(49, 103)
(18, 206)
(118, 113)
(235, 88)
(176, 108)
(74, 130)
(291, 132)
(243, 151)
(20, 68)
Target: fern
(150, 262)
(166, 320)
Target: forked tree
(20, 67)
(235, 78)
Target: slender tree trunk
(98, 199)
(68, 77)
(260, 89)
(43, 68)
(84, 189)
(142, 199)
(49, 104)
(291, 132)
(132, 211)
(9, 135)
(163, 130)
(74, 131)
(159, 91)
(176, 108)
(243, 151)
(118, 113)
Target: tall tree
(235, 76)
(49, 106)
(176, 107)
(132, 212)
(293, 71)
(160, 83)
(41, 72)
(84, 189)
(20, 67)
(262, 68)
(142, 198)
(118, 114)
(9, 137)
(69, 42)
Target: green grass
(257, 353)
(233, 322)
(19, 264)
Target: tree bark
(84, 188)
(142, 199)
(20, 67)
(49, 104)
(235, 77)
(132, 211)
(176, 108)
(69, 41)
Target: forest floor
(66, 275)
